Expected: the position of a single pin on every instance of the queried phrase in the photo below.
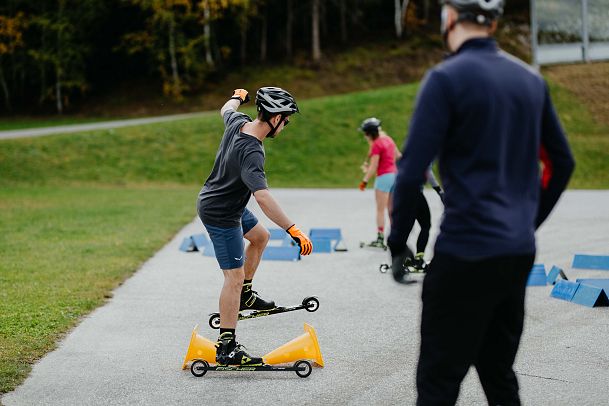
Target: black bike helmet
(370, 126)
(481, 12)
(274, 100)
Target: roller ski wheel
(200, 367)
(310, 304)
(303, 368)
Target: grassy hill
(322, 148)
(81, 212)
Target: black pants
(473, 314)
(424, 219)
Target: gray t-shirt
(237, 173)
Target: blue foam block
(590, 296)
(581, 261)
(321, 245)
(209, 251)
(187, 245)
(277, 233)
(330, 233)
(601, 283)
(537, 276)
(564, 290)
(281, 253)
(554, 274)
(201, 241)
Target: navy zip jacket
(488, 119)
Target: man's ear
(276, 119)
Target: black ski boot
(251, 301)
(229, 352)
(418, 264)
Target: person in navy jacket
(488, 118)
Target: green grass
(79, 213)
(64, 249)
(321, 147)
(589, 140)
(7, 124)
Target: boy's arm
(232, 104)
(273, 211)
(239, 97)
(271, 208)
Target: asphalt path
(105, 125)
(130, 351)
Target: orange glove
(362, 185)
(306, 246)
(241, 95)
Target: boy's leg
(228, 247)
(258, 236)
(230, 297)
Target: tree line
(55, 52)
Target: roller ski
(414, 265)
(378, 243)
(200, 367)
(231, 356)
(310, 304)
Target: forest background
(71, 56)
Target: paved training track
(105, 125)
(130, 351)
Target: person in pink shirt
(381, 162)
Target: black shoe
(251, 301)
(228, 352)
(419, 264)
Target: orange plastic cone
(303, 347)
(199, 348)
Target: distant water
(561, 20)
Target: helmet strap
(271, 133)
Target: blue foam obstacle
(591, 296)
(601, 283)
(580, 293)
(582, 261)
(277, 234)
(322, 237)
(564, 290)
(537, 276)
(554, 274)
(322, 245)
(196, 242)
(289, 253)
(201, 241)
(188, 245)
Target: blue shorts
(228, 242)
(385, 182)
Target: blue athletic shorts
(228, 242)
(385, 182)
